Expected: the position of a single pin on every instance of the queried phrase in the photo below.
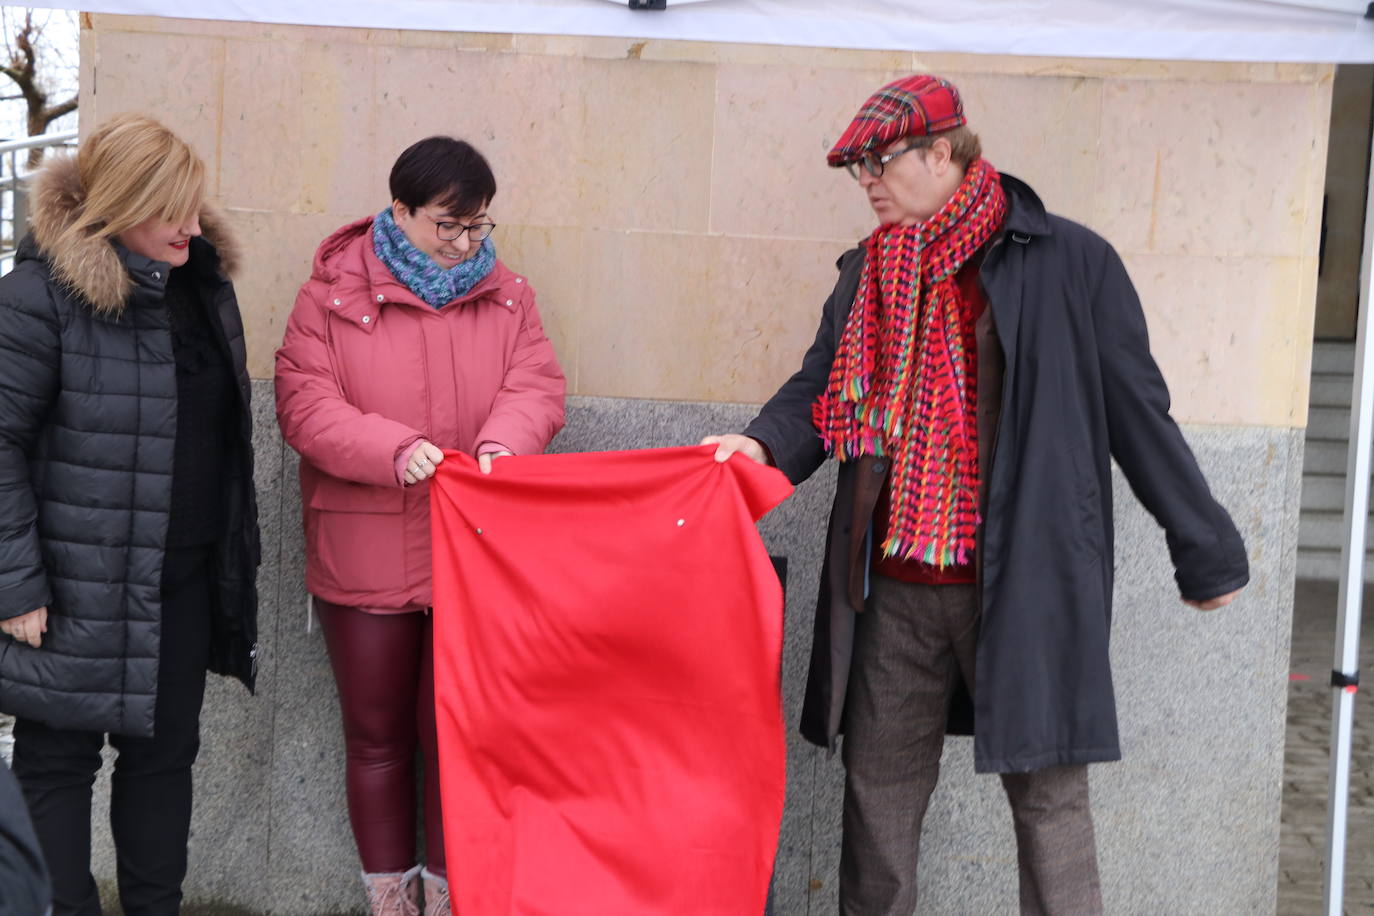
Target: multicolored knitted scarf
(418, 271)
(904, 380)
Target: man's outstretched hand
(1211, 604)
(731, 443)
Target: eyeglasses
(873, 163)
(448, 230)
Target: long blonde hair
(134, 169)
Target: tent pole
(1345, 673)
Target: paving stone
(1303, 819)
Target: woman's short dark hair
(446, 172)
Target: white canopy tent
(1231, 30)
(1311, 31)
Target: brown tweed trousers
(910, 646)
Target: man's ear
(940, 155)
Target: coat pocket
(331, 494)
(356, 537)
(1086, 516)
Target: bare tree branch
(22, 69)
(52, 113)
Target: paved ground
(1306, 760)
(1305, 764)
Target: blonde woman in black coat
(128, 534)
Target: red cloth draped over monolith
(607, 637)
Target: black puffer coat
(87, 426)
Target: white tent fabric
(1332, 31)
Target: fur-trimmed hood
(92, 267)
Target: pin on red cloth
(607, 657)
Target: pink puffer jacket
(365, 370)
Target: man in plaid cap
(977, 367)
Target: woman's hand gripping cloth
(608, 640)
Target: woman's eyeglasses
(448, 230)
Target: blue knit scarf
(419, 272)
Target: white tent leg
(1345, 669)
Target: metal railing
(15, 170)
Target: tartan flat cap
(913, 106)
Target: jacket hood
(91, 267)
(340, 253)
(334, 256)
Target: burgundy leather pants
(384, 668)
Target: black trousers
(150, 800)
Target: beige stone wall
(670, 201)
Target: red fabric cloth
(608, 638)
(914, 571)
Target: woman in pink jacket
(409, 338)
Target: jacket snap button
(510, 302)
(366, 319)
(519, 279)
(381, 298)
(157, 275)
(338, 302)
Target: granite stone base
(1187, 823)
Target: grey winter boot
(393, 893)
(436, 894)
